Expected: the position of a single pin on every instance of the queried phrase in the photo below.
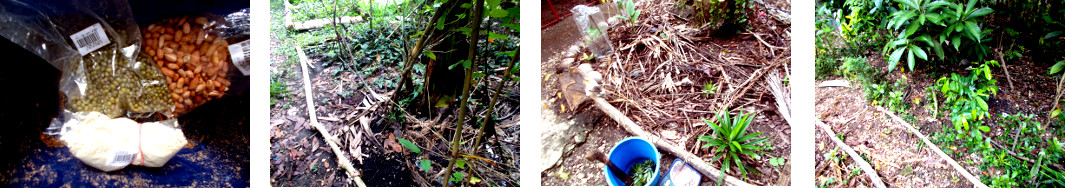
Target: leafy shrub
(889, 96)
(864, 16)
(717, 13)
(966, 97)
(732, 141)
(931, 25)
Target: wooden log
(342, 158)
(869, 171)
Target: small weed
(709, 88)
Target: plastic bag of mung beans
(96, 45)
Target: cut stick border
(976, 181)
(869, 171)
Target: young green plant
(732, 141)
(424, 164)
(630, 13)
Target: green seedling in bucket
(642, 172)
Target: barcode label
(90, 39)
(240, 53)
(121, 158)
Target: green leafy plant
(709, 88)
(732, 142)
(424, 164)
(630, 13)
(930, 25)
(776, 161)
(1025, 140)
(1055, 70)
(966, 96)
(277, 90)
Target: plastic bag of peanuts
(193, 56)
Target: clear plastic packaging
(95, 44)
(110, 144)
(194, 58)
(594, 28)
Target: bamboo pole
(342, 159)
(478, 8)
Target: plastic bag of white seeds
(96, 45)
(110, 144)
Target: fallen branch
(1007, 71)
(1054, 165)
(342, 159)
(976, 181)
(746, 86)
(854, 155)
(669, 147)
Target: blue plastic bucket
(628, 152)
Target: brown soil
(899, 157)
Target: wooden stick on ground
(976, 181)
(694, 161)
(342, 159)
(1002, 62)
(869, 171)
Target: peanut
(193, 61)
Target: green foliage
(717, 13)
(889, 96)
(278, 90)
(856, 69)
(409, 145)
(864, 15)
(642, 172)
(776, 161)
(709, 88)
(930, 26)
(1024, 138)
(629, 12)
(732, 141)
(425, 165)
(458, 176)
(966, 96)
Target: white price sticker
(240, 53)
(90, 39)
(121, 157)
